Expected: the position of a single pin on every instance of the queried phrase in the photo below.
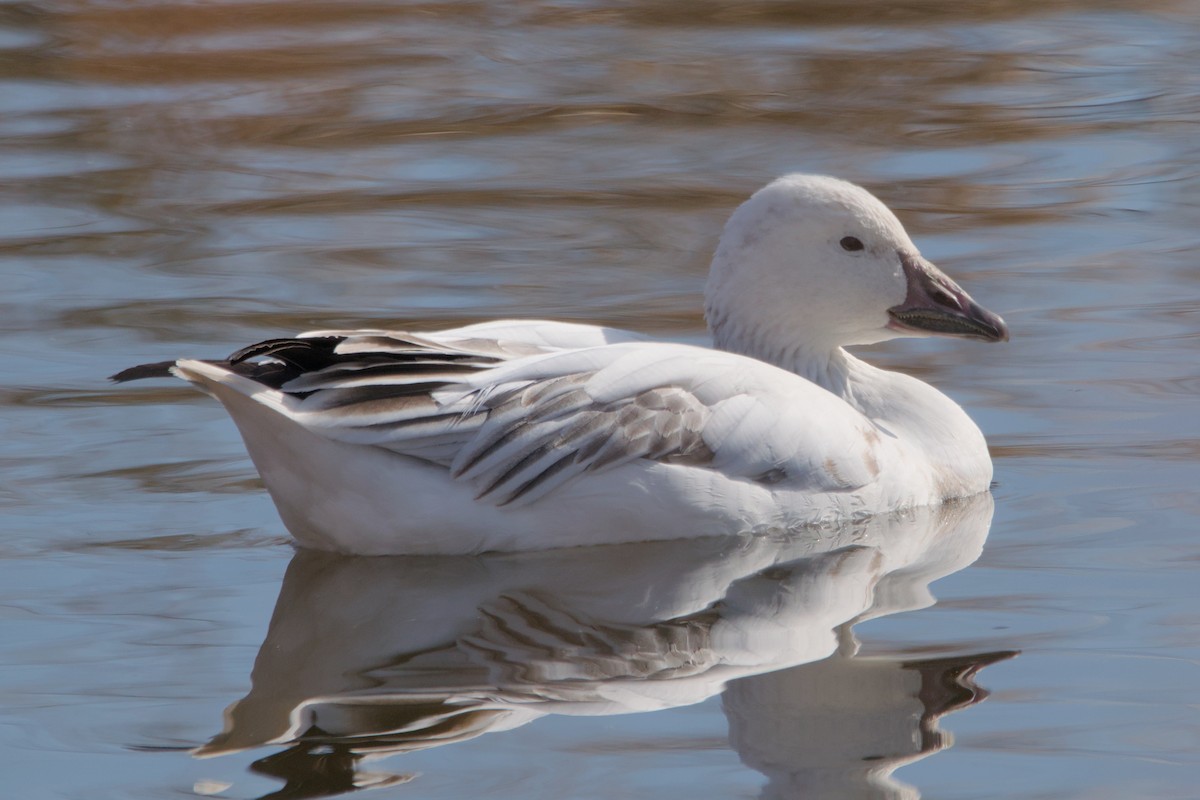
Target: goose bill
(937, 306)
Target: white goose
(521, 435)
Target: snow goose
(524, 434)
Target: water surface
(181, 179)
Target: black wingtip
(159, 369)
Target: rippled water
(181, 179)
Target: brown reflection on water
(209, 80)
(544, 153)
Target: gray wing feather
(544, 451)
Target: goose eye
(851, 243)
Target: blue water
(184, 179)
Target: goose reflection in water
(385, 655)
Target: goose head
(811, 263)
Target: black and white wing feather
(519, 419)
(515, 420)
